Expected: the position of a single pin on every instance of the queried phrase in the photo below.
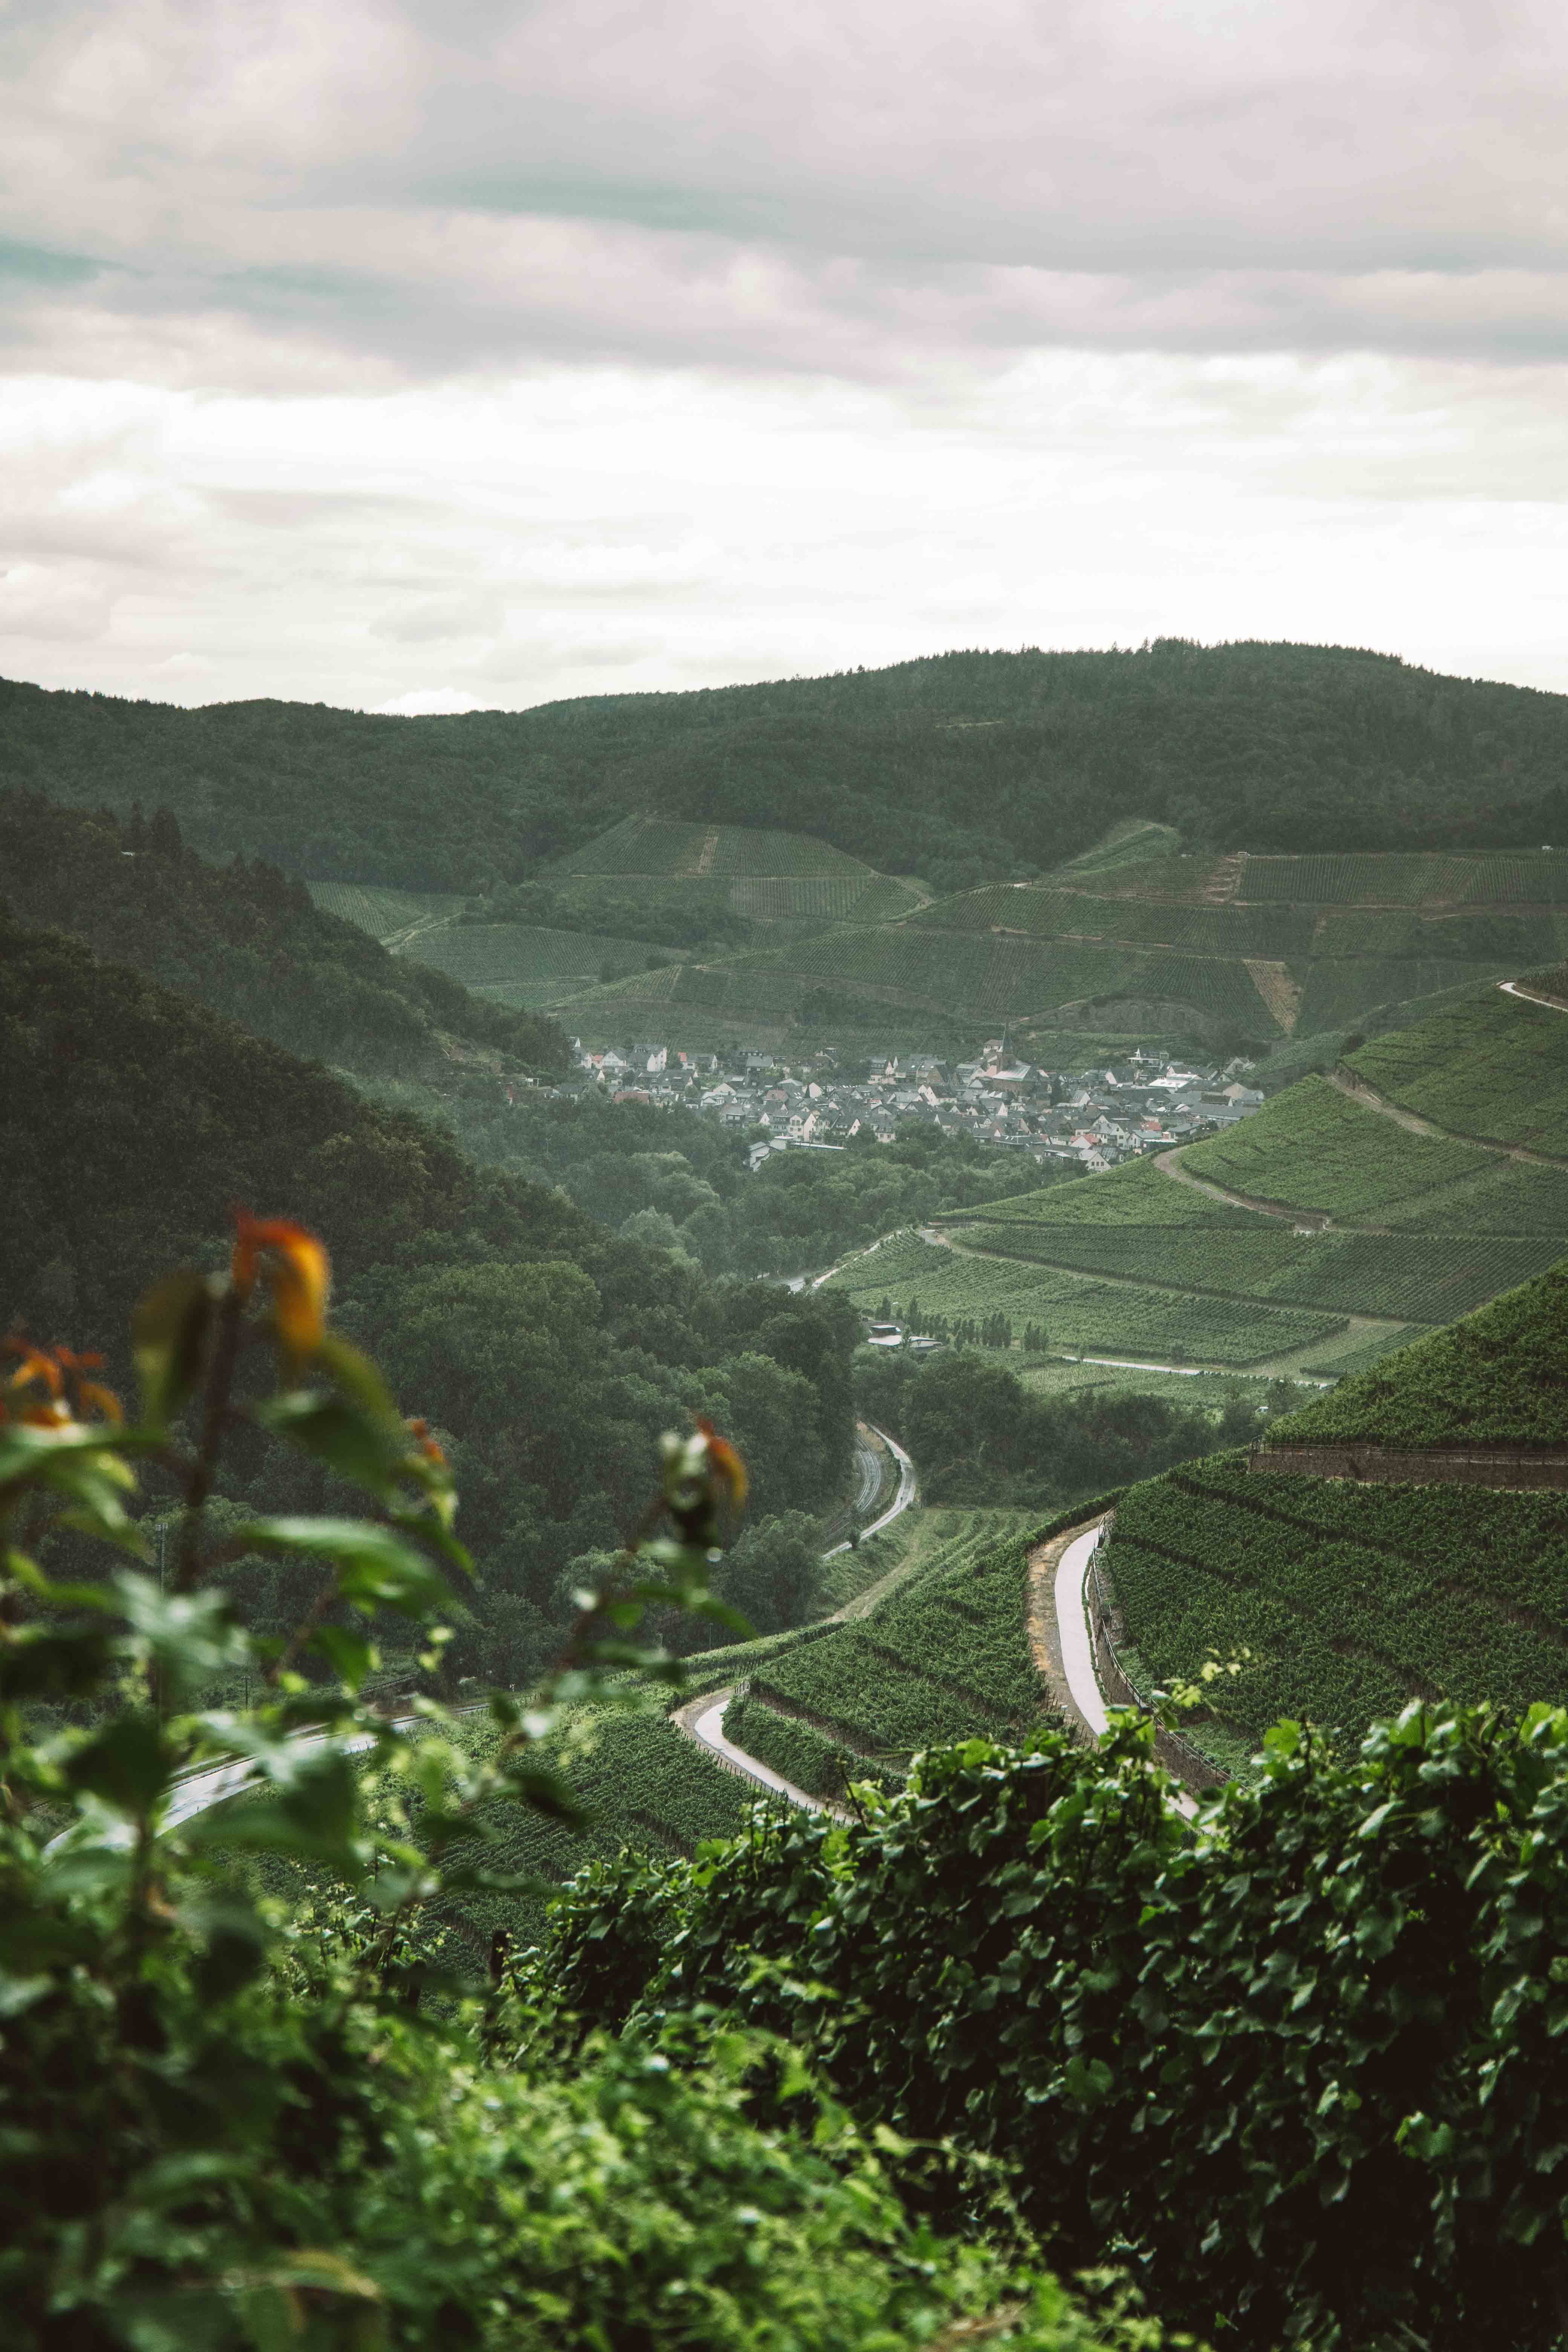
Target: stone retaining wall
(1442, 1465)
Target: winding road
(702, 1719)
(213, 1783)
(1075, 1637)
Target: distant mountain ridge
(965, 768)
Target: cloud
(857, 193)
(580, 530)
(427, 702)
(431, 354)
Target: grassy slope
(1496, 1066)
(1352, 1598)
(1499, 1378)
(1128, 1317)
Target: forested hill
(548, 1351)
(246, 941)
(963, 768)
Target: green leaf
(349, 1656)
(429, 1530)
(236, 1938)
(52, 1660)
(1089, 2080)
(192, 1634)
(314, 1815)
(168, 1334)
(18, 1993)
(376, 1569)
(125, 1765)
(334, 1430)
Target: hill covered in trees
(245, 941)
(550, 1351)
(964, 768)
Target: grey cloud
(287, 509)
(439, 621)
(736, 187)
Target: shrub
(1303, 2062)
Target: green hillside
(936, 1651)
(550, 1351)
(944, 1657)
(1497, 1379)
(1205, 912)
(1236, 953)
(1127, 1317)
(1350, 1598)
(1331, 1230)
(1494, 1068)
(1343, 1601)
(248, 942)
(960, 768)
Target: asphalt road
(217, 1782)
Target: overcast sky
(472, 352)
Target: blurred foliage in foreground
(224, 2125)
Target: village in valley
(1091, 1117)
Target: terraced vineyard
(494, 956)
(1496, 1066)
(1256, 947)
(944, 1657)
(1114, 946)
(1505, 878)
(1129, 1318)
(1350, 993)
(644, 1784)
(1137, 1195)
(1422, 1279)
(1313, 1149)
(383, 913)
(1500, 1378)
(1425, 1228)
(1350, 1599)
(1356, 1352)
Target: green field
(1118, 946)
(1423, 1278)
(1313, 1148)
(1258, 948)
(1358, 1349)
(1350, 1599)
(1137, 1193)
(1425, 1228)
(492, 956)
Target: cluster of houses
(1092, 1117)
